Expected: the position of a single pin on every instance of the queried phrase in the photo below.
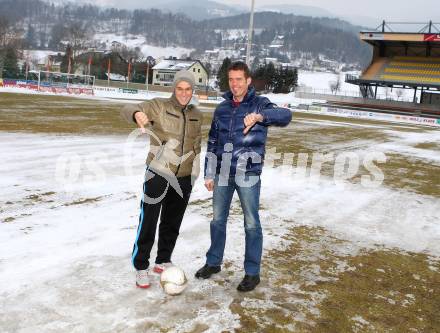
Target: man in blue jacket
(234, 160)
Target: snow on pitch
(65, 249)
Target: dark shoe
(206, 271)
(249, 282)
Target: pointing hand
(141, 120)
(250, 120)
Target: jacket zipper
(183, 139)
(232, 122)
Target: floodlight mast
(251, 28)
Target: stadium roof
(375, 38)
(408, 58)
(407, 32)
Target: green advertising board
(129, 91)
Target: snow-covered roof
(39, 55)
(175, 65)
(116, 77)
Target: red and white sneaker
(143, 278)
(159, 268)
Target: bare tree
(335, 86)
(127, 53)
(4, 29)
(79, 35)
(33, 61)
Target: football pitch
(350, 212)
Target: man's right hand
(141, 120)
(209, 184)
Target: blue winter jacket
(227, 128)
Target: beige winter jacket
(175, 135)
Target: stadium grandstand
(403, 60)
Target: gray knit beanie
(184, 75)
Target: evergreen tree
(30, 37)
(57, 34)
(43, 39)
(279, 81)
(270, 76)
(258, 78)
(286, 80)
(255, 63)
(259, 73)
(295, 79)
(10, 66)
(23, 71)
(222, 75)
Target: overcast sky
(406, 10)
(391, 10)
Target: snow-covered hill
(133, 41)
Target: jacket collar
(249, 95)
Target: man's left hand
(250, 120)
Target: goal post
(65, 80)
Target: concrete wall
(366, 101)
(430, 98)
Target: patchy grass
(48, 193)
(400, 171)
(315, 285)
(38, 197)
(54, 114)
(84, 201)
(428, 146)
(392, 291)
(313, 281)
(414, 175)
(64, 115)
(200, 202)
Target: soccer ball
(173, 280)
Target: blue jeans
(249, 200)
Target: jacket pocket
(171, 123)
(193, 127)
(172, 114)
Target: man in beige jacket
(172, 165)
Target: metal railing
(351, 77)
(325, 93)
(421, 27)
